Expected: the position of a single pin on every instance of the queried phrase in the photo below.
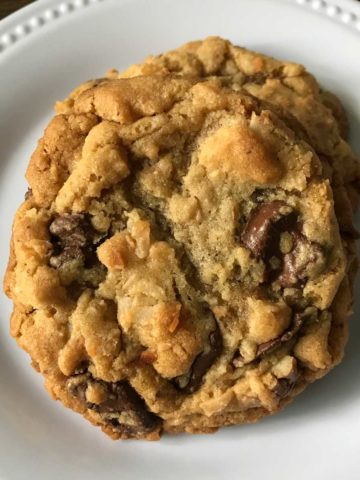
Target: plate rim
(27, 20)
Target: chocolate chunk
(288, 277)
(190, 383)
(259, 78)
(268, 347)
(77, 386)
(68, 254)
(122, 406)
(283, 387)
(71, 230)
(114, 422)
(131, 431)
(73, 238)
(285, 384)
(305, 259)
(271, 345)
(81, 368)
(264, 227)
(90, 257)
(257, 195)
(28, 193)
(70, 235)
(238, 360)
(122, 398)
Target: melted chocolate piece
(28, 193)
(67, 255)
(201, 364)
(264, 227)
(259, 78)
(74, 238)
(283, 387)
(297, 263)
(120, 399)
(70, 235)
(272, 345)
(122, 428)
(77, 386)
(71, 229)
(238, 360)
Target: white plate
(50, 47)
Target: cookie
(287, 86)
(177, 265)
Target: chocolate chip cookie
(177, 264)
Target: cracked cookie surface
(177, 265)
(287, 86)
